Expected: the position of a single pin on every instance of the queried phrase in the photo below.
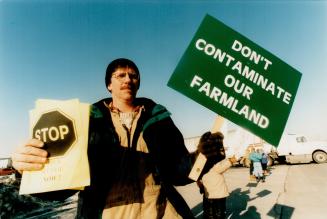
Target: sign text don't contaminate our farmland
(231, 75)
(231, 82)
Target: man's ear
(109, 87)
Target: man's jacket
(166, 146)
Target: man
(135, 151)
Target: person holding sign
(212, 182)
(136, 155)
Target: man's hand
(30, 156)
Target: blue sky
(60, 50)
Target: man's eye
(121, 75)
(133, 76)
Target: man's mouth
(129, 88)
(126, 88)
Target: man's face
(124, 84)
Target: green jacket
(255, 157)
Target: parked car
(297, 149)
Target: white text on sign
(52, 133)
(244, 70)
(229, 102)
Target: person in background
(252, 177)
(264, 163)
(136, 155)
(255, 157)
(211, 181)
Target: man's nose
(128, 78)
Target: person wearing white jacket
(212, 182)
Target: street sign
(236, 78)
(57, 132)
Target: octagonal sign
(57, 131)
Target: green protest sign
(236, 78)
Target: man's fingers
(210, 151)
(28, 158)
(23, 162)
(31, 150)
(35, 143)
(22, 166)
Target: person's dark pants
(214, 208)
(264, 166)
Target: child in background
(264, 163)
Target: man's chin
(129, 95)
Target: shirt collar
(113, 109)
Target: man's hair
(120, 63)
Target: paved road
(291, 191)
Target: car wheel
(319, 157)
